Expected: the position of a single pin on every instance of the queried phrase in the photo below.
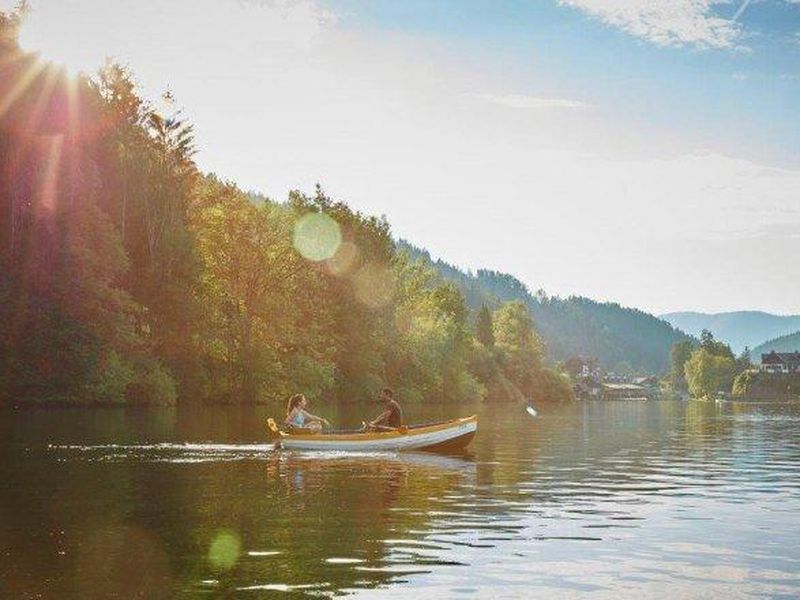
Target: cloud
(531, 102)
(666, 22)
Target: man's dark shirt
(395, 418)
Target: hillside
(128, 276)
(784, 343)
(739, 329)
(614, 334)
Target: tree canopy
(711, 368)
(128, 275)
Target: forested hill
(128, 276)
(740, 329)
(617, 336)
(784, 343)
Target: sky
(640, 151)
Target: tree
(708, 343)
(10, 23)
(483, 327)
(708, 373)
(520, 346)
(743, 361)
(711, 368)
(512, 369)
(679, 354)
(147, 179)
(67, 317)
(257, 294)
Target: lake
(597, 500)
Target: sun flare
(72, 41)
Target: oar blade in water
(531, 411)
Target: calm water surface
(659, 500)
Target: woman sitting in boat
(297, 417)
(391, 417)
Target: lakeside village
(591, 382)
(777, 377)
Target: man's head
(387, 394)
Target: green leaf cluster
(711, 368)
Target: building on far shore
(591, 382)
(627, 391)
(781, 362)
(579, 366)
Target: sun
(69, 38)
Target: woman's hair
(293, 402)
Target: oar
(530, 409)
(383, 428)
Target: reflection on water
(597, 499)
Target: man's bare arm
(381, 418)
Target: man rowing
(391, 417)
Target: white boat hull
(442, 436)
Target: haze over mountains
(739, 328)
(619, 337)
(623, 339)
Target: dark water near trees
(660, 499)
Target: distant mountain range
(621, 338)
(785, 343)
(739, 329)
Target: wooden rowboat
(447, 436)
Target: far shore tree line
(709, 368)
(129, 276)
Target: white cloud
(666, 22)
(531, 102)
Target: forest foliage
(709, 368)
(129, 276)
(623, 339)
(758, 385)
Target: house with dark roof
(781, 362)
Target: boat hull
(450, 436)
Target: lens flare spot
(344, 260)
(317, 236)
(374, 285)
(224, 550)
